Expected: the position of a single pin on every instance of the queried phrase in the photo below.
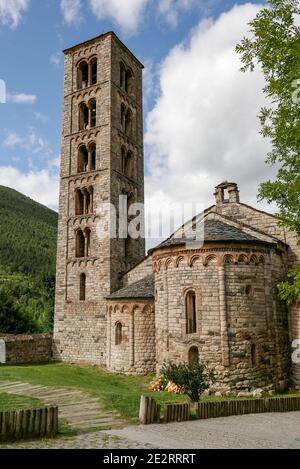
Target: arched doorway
(193, 355)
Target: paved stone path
(265, 431)
(259, 431)
(78, 408)
(97, 440)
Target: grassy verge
(10, 402)
(116, 392)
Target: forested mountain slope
(28, 232)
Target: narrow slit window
(82, 294)
(191, 319)
(118, 334)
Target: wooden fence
(24, 424)
(180, 412)
(207, 410)
(149, 411)
(176, 412)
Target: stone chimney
(227, 193)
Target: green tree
(13, 320)
(274, 46)
(194, 378)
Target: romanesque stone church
(215, 302)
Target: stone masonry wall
(229, 320)
(26, 349)
(269, 224)
(80, 326)
(136, 352)
(142, 270)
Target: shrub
(194, 379)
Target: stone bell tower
(101, 159)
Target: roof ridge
(257, 230)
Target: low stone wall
(15, 349)
(32, 423)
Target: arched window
(118, 333)
(82, 75)
(87, 234)
(92, 151)
(93, 112)
(122, 75)
(83, 116)
(129, 82)
(128, 165)
(82, 287)
(193, 355)
(190, 311)
(94, 71)
(88, 202)
(123, 156)
(80, 244)
(128, 123)
(253, 352)
(83, 159)
(79, 202)
(91, 201)
(123, 117)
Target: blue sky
(196, 134)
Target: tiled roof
(214, 231)
(142, 289)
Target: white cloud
(31, 141)
(71, 10)
(171, 9)
(126, 14)
(11, 12)
(21, 98)
(41, 117)
(204, 127)
(55, 59)
(12, 139)
(41, 186)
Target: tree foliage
(290, 290)
(13, 319)
(194, 378)
(274, 46)
(28, 233)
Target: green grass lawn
(14, 402)
(116, 392)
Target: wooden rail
(207, 410)
(180, 412)
(32, 423)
